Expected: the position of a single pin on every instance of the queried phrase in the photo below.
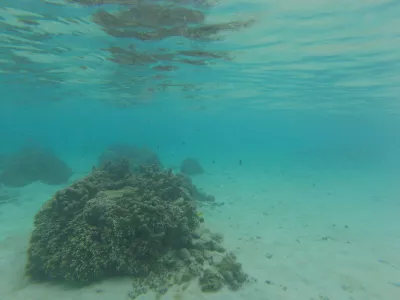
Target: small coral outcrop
(136, 156)
(117, 223)
(33, 164)
(191, 166)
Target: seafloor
(305, 231)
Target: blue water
(292, 108)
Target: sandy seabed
(300, 234)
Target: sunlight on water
(270, 50)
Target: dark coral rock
(211, 281)
(191, 166)
(116, 223)
(232, 272)
(34, 164)
(136, 156)
(194, 191)
(117, 231)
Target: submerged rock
(136, 156)
(33, 164)
(191, 166)
(211, 281)
(117, 223)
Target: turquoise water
(291, 108)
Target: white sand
(301, 234)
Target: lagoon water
(291, 108)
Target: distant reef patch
(191, 166)
(31, 164)
(136, 156)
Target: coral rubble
(117, 223)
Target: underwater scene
(199, 150)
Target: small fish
(396, 284)
(240, 162)
(387, 263)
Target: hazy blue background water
(316, 74)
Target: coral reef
(136, 156)
(118, 223)
(191, 166)
(32, 164)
